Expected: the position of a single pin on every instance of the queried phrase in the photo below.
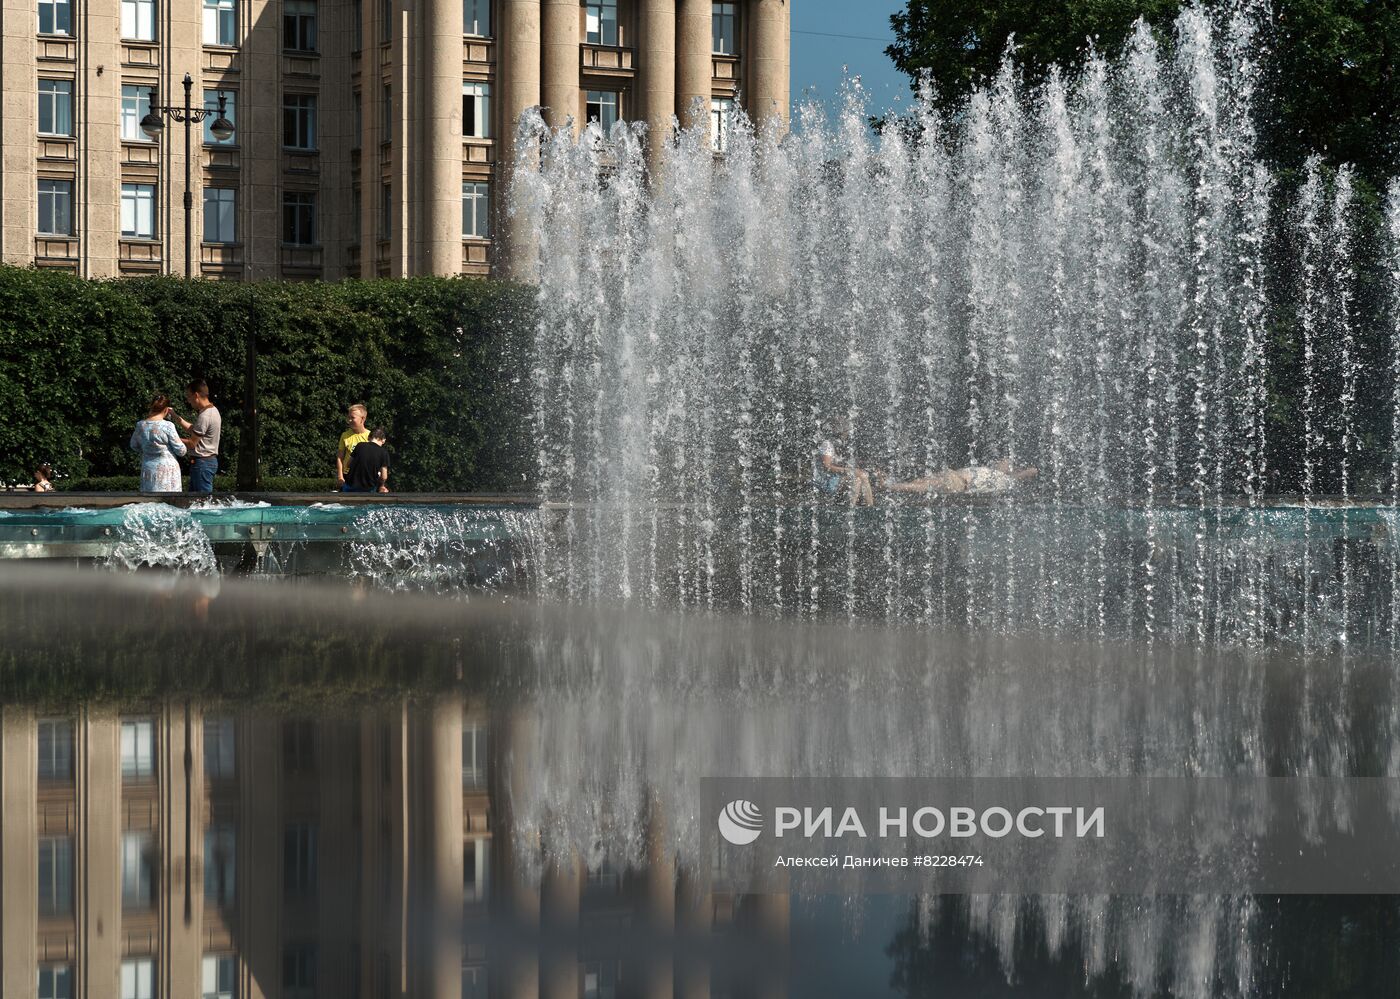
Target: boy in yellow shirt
(355, 433)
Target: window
(211, 104)
(220, 22)
(299, 218)
(138, 734)
(359, 127)
(601, 106)
(220, 227)
(476, 856)
(55, 107)
(220, 863)
(474, 985)
(359, 27)
(602, 22)
(476, 211)
(386, 21)
(139, 20)
(56, 734)
(219, 742)
(55, 981)
(299, 859)
(474, 755)
(476, 110)
(299, 971)
(476, 18)
(721, 108)
(138, 871)
(386, 210)
(218, 977)
(138, 979)
(136, 104)
(386, 113)
(299, 746)
(56, 18)
(723, 22)
(355, 206)
(599, 979)
(299, 121)
(299, 25)
(55, 876)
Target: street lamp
(154, 125)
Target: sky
(833, 37)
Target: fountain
(1093, 276)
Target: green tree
(1332, 83)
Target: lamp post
(154, 124)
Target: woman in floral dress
(159, 443)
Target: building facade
(171, 852)
(371, 138)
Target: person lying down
(997, 477)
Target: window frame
(303, 109)
(300, 21)
(143, 95)
(600, 99)
(137, 7)
(721, 108)
(298, 201)
(476, 94)
(58, 95)
(146, 723)
(142, 972)
(225, 15)
(480, 198)
(138, 870)
(724, 15)
(221, 864)
(218, 962)
(53, 968)
(232, 218)
(59, 897)
(53, 7)
(52, 773)
(598, 10)
(473, 13)
(211, 104)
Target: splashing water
(1075, 276)
(155, 535)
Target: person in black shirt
(369, 465)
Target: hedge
(432, 358)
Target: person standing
(160, 448)
(369, 466)
(354, 435)
(203, 440)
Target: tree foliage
(1332, 84)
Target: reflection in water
(312, 792)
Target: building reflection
(174, 850)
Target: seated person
(830, 472)
(998, 477)
(369, 465)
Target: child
(354, 435)
(369, 466)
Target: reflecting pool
(288, 789)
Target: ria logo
(740, 822)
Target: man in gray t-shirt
(203, 439)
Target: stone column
(441, 782)
(18, 128)
(97, 853)
(19, 852)
(442, 139)
(656, 83)
(560, 56)
(518, 70)
(768, 40)
(97, 193)
(694, 66)
(180, 966)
